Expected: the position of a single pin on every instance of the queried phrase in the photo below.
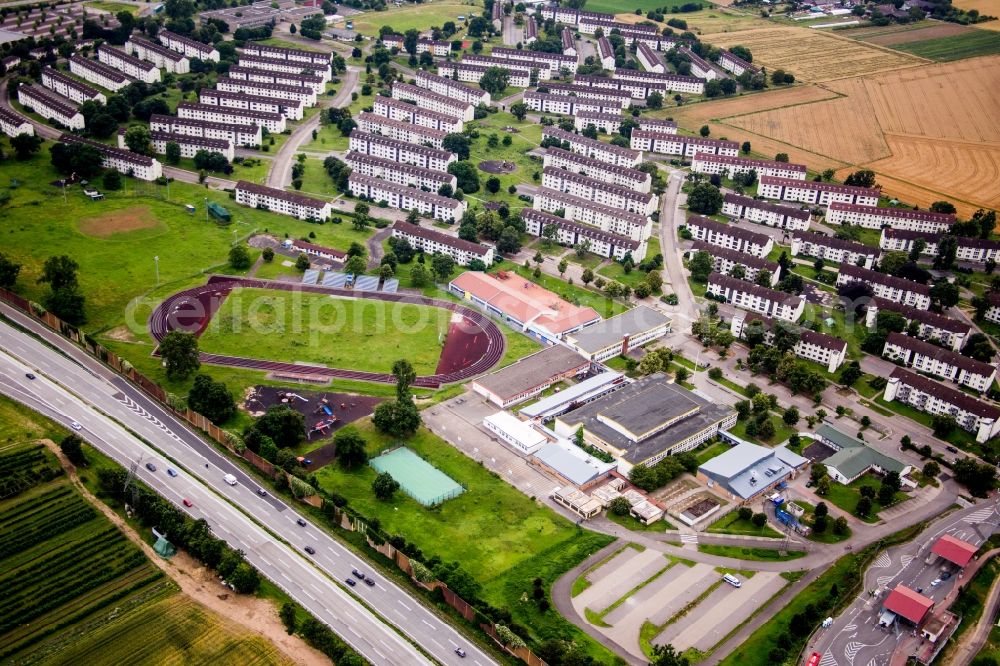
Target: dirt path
(259, 616)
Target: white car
(936, 582)
(75, 426)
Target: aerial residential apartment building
(933, 360)
(187, 46)
(496, 16)
(238, 135)
(556, 62)
(126, 162)
(609, 97)
(395, 109)
(730, 166)
(821, 348)
(606, 218)
(832, 249)
(302, 94)
(400, 151)
(699, 66)
(425, 99)
(572, 234)
(70, 88)
(993, 311)
(889, 287)
(50, 106)
(530, 30)
(128, 65)
(432, 241)
(649, 58)
(605, 53)
(274, 122)
(657, 125)
(539, 69)
(284, 66)
(452, 89)
(931, 326)
(755, 298)
(399, 130)
(400, 173)
(161, 56)
(620, 334)
(434, 47)
(609, 123)
(729, 236)
(598, 150)
(871, 217)
(972, 250)
(13, 124)
(598, 191)
(673, 144)
(817, 194)
(640, 181)
(189, 145)
(736, 65)
(290, 55)
(755, 210)
(976, 416)
(282, 202)
(402, 197)
(642, 84)
(568, 43)
(284, 78)
(567, 105)
(725, 260)
(289, 108)
(468, 73)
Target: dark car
(262, 492)
(350, 581)
(358, 574)
(370, 581)
(460, 652)
(151, 467)
(945, 575)
(300, 522)
(951, 449)
(310, 550)
(29, 375)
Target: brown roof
(865, 275)
(262, 190)
(822, 187)
(940, 354)
(750, 202)
(763, 164)
(899, 213)
(750, 288)
(837, 243)
(439, 237)
(729, 229)
(923, 316)
(735, 256)
(946, 394)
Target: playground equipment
(322, 427)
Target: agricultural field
(707, 21)
(901, 34)
(358, 334)
(113, 7)
(414, 17)
(943, 49)
(814, 56)
(629, 6)
(986, 7)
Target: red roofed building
(954, 550)
(908, 604)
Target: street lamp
(156, 263)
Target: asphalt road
(103, 403)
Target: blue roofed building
(747, 470)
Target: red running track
(474, 344)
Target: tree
(397, 418)
(138, 140)
(9, 270)
(442, 266)
(862, 178)
(759, 520)
(705, 198)
(466, 175)
(283, 425)
(620, 506)
(25, 145)
(947, 249)
(173, 152)
(59, 272)
(519, 110)
(72, 448)
(76, 158)
(666, 655)
(239, 257)
(850, 374)
(458, 144)
(419, 276)
(791, 416)
(179, 351)
(211, 399)
(701, 266)
(112, 181)
(302, 262)
(495, 80)
(704, 130)
(410, 39)
(492, 184)
(245, 579)
(979, 347)
(351, 448)
(355, 266)
(563, 265)
(288, 616)
(267, 255)
(384, 486)
(979, 478)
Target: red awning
(955, 550)
(909, 604)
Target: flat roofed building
(159, 55)
(773, 215)
(597, 150)
(570, 234)
(515, 432)
(889, 287)
(598, 191)
(450, 88)
(606, 218)
(523, 305)
(571, 464)
(832, 249)
(730, 166)
(639, 181)
(70, 88)
(142, 167)
(401, 151)
(282, 202)
(274, 122)
(128, 65)
(872, 217)
(933, 360)
(755, 298)
(976, 416)
(432, 241)
(545, 409)
(646, 421)
(406, 198)
(427, 99)
(578, 502)
(817, 194)
(729, 236)
(747, 471)
(13, 124)
(187, 46)
(821, 348)
(531, 375)
(724, 260)
(938, 328)
(50, 106)
(620, 334)
(854, 458)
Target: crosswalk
(689, 539)
(978, 516)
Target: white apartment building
(50, 106)
(567, 105)
(901, 240)
(649, 58)
(753, 297)
(993, 311)
(12, 124)
(126, 162)
(642, 84)
(933, 360)
(556, 62)
(540, 70)
(889, 287)
(656, 125)
(302, 94)
(609, 97)
(399, 130)
(871, 217)
(468, 73)
(976, 416)
(399, 173)
(735, 64)
(820, 348)
(568, 43)
(284, 66)
(817, 194)
(755, 210)
(426, 99)
(598, 191)
(729, 236)
(393, 41)
(730, 166)
(282, 202)
(400, 151)
(598, 150)
(98, 73)
(291, 55)
(317, 83)
(432, 241)
(452, 89)
(654, 141)
(604, 122)
(128, 65)
(291, 109)
(605, 54)
(725, 260)
(395, 109)
(612, 220)
(70, 88)
(699, 66)
(834, 250)
(618, 335)
(188, 47)
(436, 48)
(931, 326)
(530, 30)
(640, 181)
(274, 122)
(161, 56)
(570, 234)
(238, 135)
(406, 198)
(188, 144)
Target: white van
(732, 580)
(230, 479)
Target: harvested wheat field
(812, 55)
(985, 7)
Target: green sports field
(414, 17)
(358, 334)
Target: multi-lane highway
(123, 423)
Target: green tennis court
(416, 477)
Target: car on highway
(300, 522)
(171, 471)
(29, 375)
(310, 550)
(151, 467)
(262, 492)
(951, 449)
(358, 574)
(350, 581)
(187, 502)
(75, 426)
(370, 581)
(460, 652)
(230, 479)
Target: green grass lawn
(715, 449)
(960, 438)
(113, 7)
(615, 271)
(967, 45)
(732, 524)
(414, 17)
(526, 139)
(846, 497)
(781, 431)
(315, 180)
(754, 554)
(631, 523)
(329, 137)
(358, 334)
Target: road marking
(427, 623)
(318, 591)
(309, 595)
(351, 629)
(381, 656)
(400, 602)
